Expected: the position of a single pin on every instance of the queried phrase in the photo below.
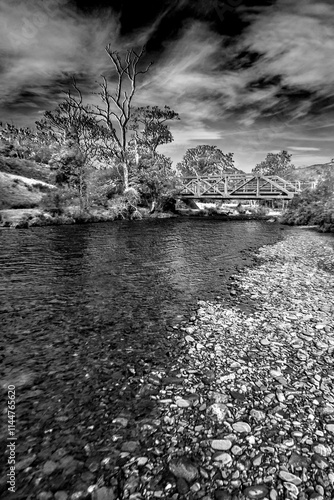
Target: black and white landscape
(166, 249)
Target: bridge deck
(239, 186)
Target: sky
(250, 77)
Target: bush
(102, 185)
(210, 211)
(122, 207)
(315, 213)
(57, 200)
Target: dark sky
(249, 77)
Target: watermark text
(11, 444)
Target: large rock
(256, 491)
(183, 467)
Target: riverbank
(36, 217)
(245, 409)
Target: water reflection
(131, 274)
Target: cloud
(41, 44)
(296, 41)
(300, 148)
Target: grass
(26, 168)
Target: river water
(125, 274)
(84, 308)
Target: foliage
(275, 164)
(150, 128)
(102, 186)
(58, 200)
(313, 207)
(205, 160)
(258, 210)
(69, 120)
(69, 165)
(25, 143)
(156, 181)
(71, 168)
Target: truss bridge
(240, 186)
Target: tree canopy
(150, 127)
(205, 160)
(275, 164)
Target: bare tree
(117, 106)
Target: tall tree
(205, 160)
(275, 164)
(117, 105)
(150, 127)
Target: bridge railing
(237, 185)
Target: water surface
(85, 312)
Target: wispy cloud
(296, 41)
(301, 148)
(42, 44)
(270, 88)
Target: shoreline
(35, 217)
(265, 388)
(246, 409)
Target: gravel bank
(247, 410)
(251, 411)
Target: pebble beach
(246, 410)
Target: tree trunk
(125, 175)
(152, 207)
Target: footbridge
(240, 186)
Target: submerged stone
(256, 491)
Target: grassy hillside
(26, 168)
(23, 183)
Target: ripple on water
(118, 269)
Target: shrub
(260, 210)
(120, 207)
(305, 213)
(102, 185)
(57, 200)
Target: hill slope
(23, 183)
(26, 168)
(313, 172)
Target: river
(86, 310)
